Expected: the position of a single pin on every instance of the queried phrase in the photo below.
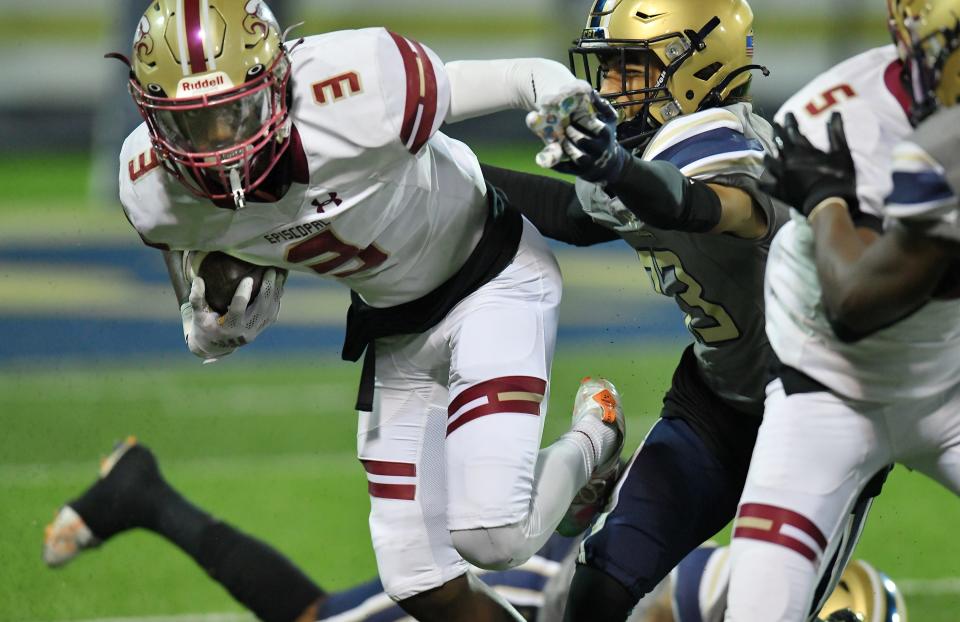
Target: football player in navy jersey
(669, 162)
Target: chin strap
(239, 198)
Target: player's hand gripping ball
(221, 276)
(241, 300)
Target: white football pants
(814, 454)
(453, 440)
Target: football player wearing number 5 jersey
(867, 329)
(673, 172)
(324, 156)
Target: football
(221, 274)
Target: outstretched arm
(551, 205)
(657, 192)
(481, 87)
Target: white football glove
(212, 336)
(551, 119)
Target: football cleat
(597, 398)
(65, 537)
(69, 534)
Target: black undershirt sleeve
(661, 196)
(551, 205)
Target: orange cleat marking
(609, 405)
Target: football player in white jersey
(867, 329)
(324, 156)
(262, 579)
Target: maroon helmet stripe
(527, 384)
(405, 492)
(429, 100)
(783, 516)
(195, 34)
(379, 467)
(776, 538)
(413, 87)
(494, 408)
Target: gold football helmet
(704, 48)
(210, 79)
(864, 595)
(927, 34)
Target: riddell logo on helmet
(209, 83)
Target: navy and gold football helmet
(703, 50)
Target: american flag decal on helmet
(750, 44)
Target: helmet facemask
(222, 145)
(597, 60)
(701, 86)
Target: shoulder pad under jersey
(718, 141)
(365, 100)
(923, 185)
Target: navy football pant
(675, 495)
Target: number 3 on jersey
(329, 253)
(709, 322)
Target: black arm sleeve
(661, 196)
(551, 205)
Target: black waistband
(497, 246)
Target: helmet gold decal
(210, 79)
(672, 57)
(927, 35)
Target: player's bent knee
(494, 548)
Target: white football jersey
(900, 361)
(383, 202)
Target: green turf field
(271, 448)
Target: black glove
(591, 144)
(807, 176)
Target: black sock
(595, 596)
(259, 577)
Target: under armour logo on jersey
(333, 200)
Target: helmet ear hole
(254, 71)
(156, 90)
(709, 71)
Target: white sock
(602, 438)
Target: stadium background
(90, 344)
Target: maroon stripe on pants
(783, 516)
(379, 467)
(513, 406)
(404, 492)
(195, 34)
(528, 384)
(776, 538)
